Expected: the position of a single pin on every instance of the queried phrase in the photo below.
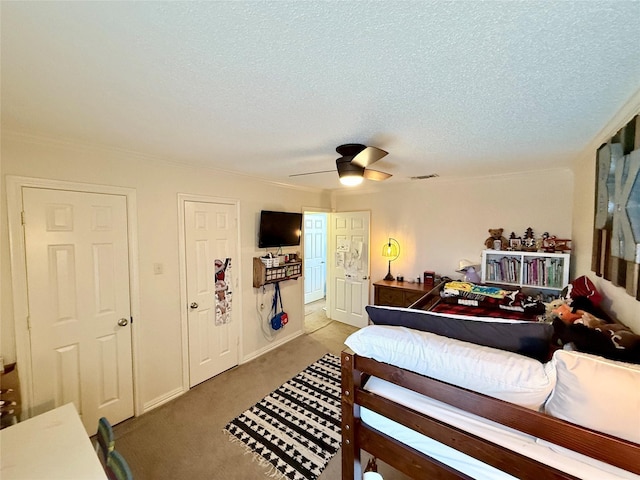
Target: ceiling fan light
(351, 180)
(349, 174)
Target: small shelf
(549, 271)
(263, 275)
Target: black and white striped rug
(296, 428)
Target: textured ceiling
(271, 88)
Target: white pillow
(497, 373)
(597, 393)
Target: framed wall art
(616, 236)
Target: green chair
(105, 442)
(117, 467)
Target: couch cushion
(497, 373)
(532, 339)
(597, 393)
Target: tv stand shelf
(263, 275)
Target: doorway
(315, 271)
(73, 273)
(343, 239)
(209, 246)
(348, 285)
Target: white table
(50, 446)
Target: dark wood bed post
(351, 379)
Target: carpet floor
(184, 438)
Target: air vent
(424, 177)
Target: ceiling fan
(353, 165)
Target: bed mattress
(573, 463)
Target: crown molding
(630, 108)
(47, 140)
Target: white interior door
(349, 257)
(211, 235)
(315, 256)
(77, 260)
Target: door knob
(123, 322)
(193, 305)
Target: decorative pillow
(532, 339)
(597, 393)
(582, 287)
(497, 373)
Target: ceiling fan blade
(311, 173)
(368, 156)
(375, 175)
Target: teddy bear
(496, 241)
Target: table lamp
(391, 250)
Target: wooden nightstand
(398, 294)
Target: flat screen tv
(279, 229)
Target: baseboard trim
(172, 395)
(270, 347)
(161, 400)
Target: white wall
(157, 185)
(617, 302)
(441, 221)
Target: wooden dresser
(398, 294)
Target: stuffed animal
(552, 306)
(496, 241)
(621, 336)
(566, 314)
(554, 244)
(577, 318)
(621, 345)
(571, 315)
(592, 334)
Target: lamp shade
(391, 249)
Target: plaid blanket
(480, 311)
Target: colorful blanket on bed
(490, 298)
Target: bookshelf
(549, 271)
